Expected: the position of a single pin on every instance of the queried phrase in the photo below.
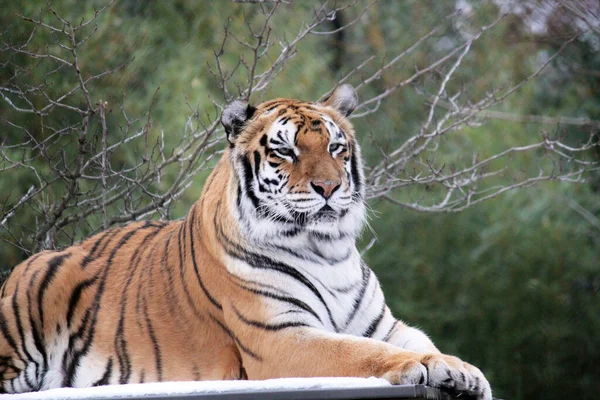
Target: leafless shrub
(83, 185)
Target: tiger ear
(343, 98)
(234, 117)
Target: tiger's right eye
(285, 152)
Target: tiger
(262, 278)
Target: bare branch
(92, 167)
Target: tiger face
(298, 164)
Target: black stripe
(107, 374)
(236, 340)
(76, 296)
(256, 164)
(141, 282)
(300, 200)
(325, 237)
(347, 289)
(31, 261)
(169, 283)
(354, 169)
(262, 188)
(291, 232)
(68, 365)
(37, 336)
(53, 266)
(366, 274)
(375, 324)
(193, 255)
(248, 180)
(273, 182)
(260, 284)
(238, 201)
(206, 188)
(96, 250)
(122, 357)
(21, 332)
(286, 299)
(388, 335)
(280, 136)
(182, 242)
(155, 345)
(269, 327)
(5, 332)
(120, 343)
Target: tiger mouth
(326, 213)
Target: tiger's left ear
(234, 117)
(343, 98)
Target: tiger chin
(262, 279)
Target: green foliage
(511, 286)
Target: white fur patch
(91, 368)
(54, 376)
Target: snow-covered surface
(179, 388)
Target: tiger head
(297, 165)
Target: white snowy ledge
(290, 388)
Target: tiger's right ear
(234, 117)
(343, 98)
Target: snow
(204, 387)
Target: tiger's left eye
(335, 147)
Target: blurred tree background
(511, 284)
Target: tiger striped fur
(262, 279)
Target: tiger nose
(326, 187)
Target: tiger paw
(440, 371)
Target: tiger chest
(298, 290)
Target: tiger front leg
(276, 348)
(310, 352)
